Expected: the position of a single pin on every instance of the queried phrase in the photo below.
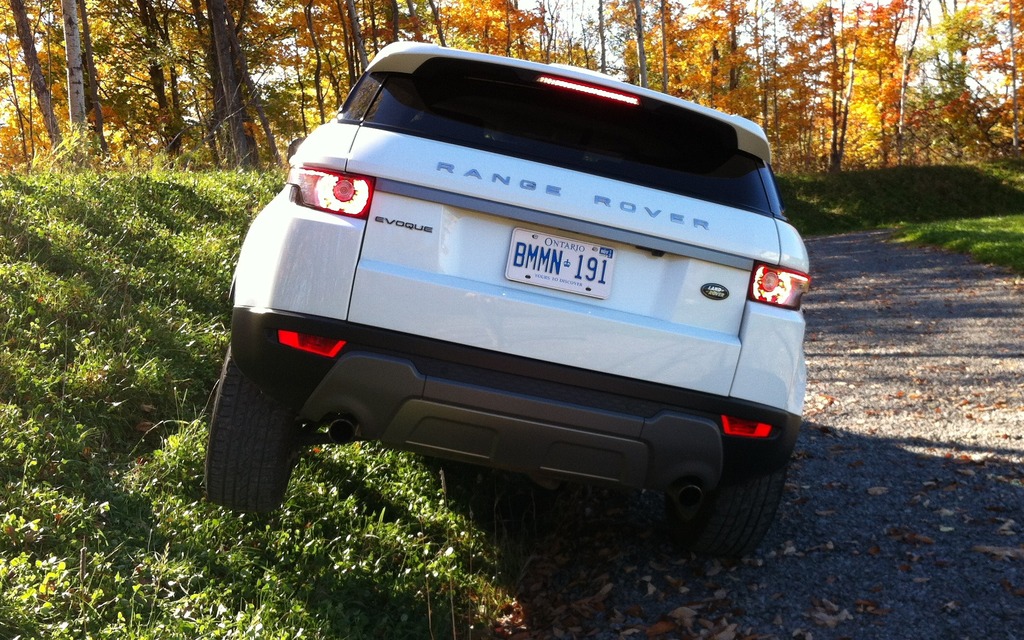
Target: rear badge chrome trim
(714, 291)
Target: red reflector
(778, 286)
(745, 428)
(319, 345)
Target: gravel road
(904, 510)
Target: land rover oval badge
(714, 291)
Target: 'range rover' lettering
(498, 178)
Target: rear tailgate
(443, 226)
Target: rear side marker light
(778, 286)
(333, 192)
(319, 345)
(589, 89)
(745, 428)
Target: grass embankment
(975, 209)
(113, 323)
(113, 314)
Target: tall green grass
(971, 209)
(855, 200)
(113, 324)
(996, 240)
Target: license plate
(556, 262)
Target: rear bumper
(508, 412)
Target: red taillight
(778, 286)
(319, 345)
(333, 192)
(745, 428)
(590, 90)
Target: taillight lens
(778, 286)
(334, 192)
(319, 345)
(745, 428)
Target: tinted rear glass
(508, 111)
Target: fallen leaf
(1002, 554)
(683, 615)
(661, 627)
(1010, 588)
(828, 614)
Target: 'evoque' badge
(714, 291)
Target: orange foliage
(840, 83)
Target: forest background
(200, 83)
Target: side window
(360, 98)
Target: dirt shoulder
(904, 511)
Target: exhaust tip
(342, 429)
(689, 495)
(686, 498)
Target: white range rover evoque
(531, 267)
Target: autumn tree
(39, 85)
(834, 83)
(73, 51)
(240, 147)
(1011, 19)
(93, 96)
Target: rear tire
(732, 520)
(252, 445)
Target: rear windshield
(508, 111)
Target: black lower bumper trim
(477, 405)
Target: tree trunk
(437, 22)
(152, 38)
(94, 83)
(908, 54)
(395, 15)
(76, 75)
(241, 153)
(16, 102)
(414, 21)
(641, 55)
(254, 96)
(842, 94)
(601, 37)
(216, 118)
(39, 86)
(302, 87)
(839, 136)
(318, 62)
(664, 47)
(1013, 82)
(357, 34)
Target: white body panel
(300, 260)
(771, 368)
(450, 285)
(566, 193)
